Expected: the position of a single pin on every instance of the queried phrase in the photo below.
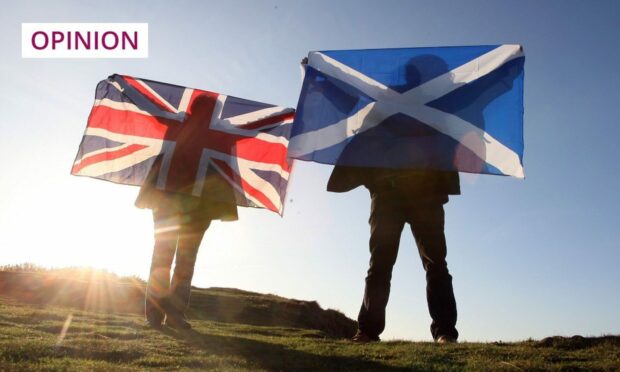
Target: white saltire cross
(413, 103)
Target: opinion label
(85, 40)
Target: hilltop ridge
(101, 291)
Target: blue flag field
(442, 108)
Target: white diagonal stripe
(121, 106)
(248, 176)
(500, 156)
(118, 164)
(155, 110)
(124, 138)
(229, 125)
(264, 187)
(101, 151)
(466, 73)
(331, 135)
(493, 152)
(350, 76)
(256, 115)
(246, 164)
(252, 134)
(155, 146)
(264, 166)
(438, 86)
(154, 93)
(235, 186)
(116, 85)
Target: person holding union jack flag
(197, 155)
(180, 221)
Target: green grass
(80, 319)
(30, 339)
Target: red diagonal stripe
(140, 88)
(249, 148)
(105, 156)
(256, 194)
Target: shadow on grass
(273, 356)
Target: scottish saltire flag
(449, 108)
(135, 121)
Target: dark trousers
(389, 213)
(175, 235)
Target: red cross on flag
(133, 121)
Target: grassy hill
(100, 291)
(76, 329)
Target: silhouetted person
(180, 221)
(401, 196)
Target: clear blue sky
(530, 258)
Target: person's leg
(386, 225)
(190, 236)
(166, 233)
(427, 225)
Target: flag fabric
(135, 121)
(444, 108)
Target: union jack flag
(135, 121)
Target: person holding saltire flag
(403, 122)
(196, 155)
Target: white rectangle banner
(85, 40)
